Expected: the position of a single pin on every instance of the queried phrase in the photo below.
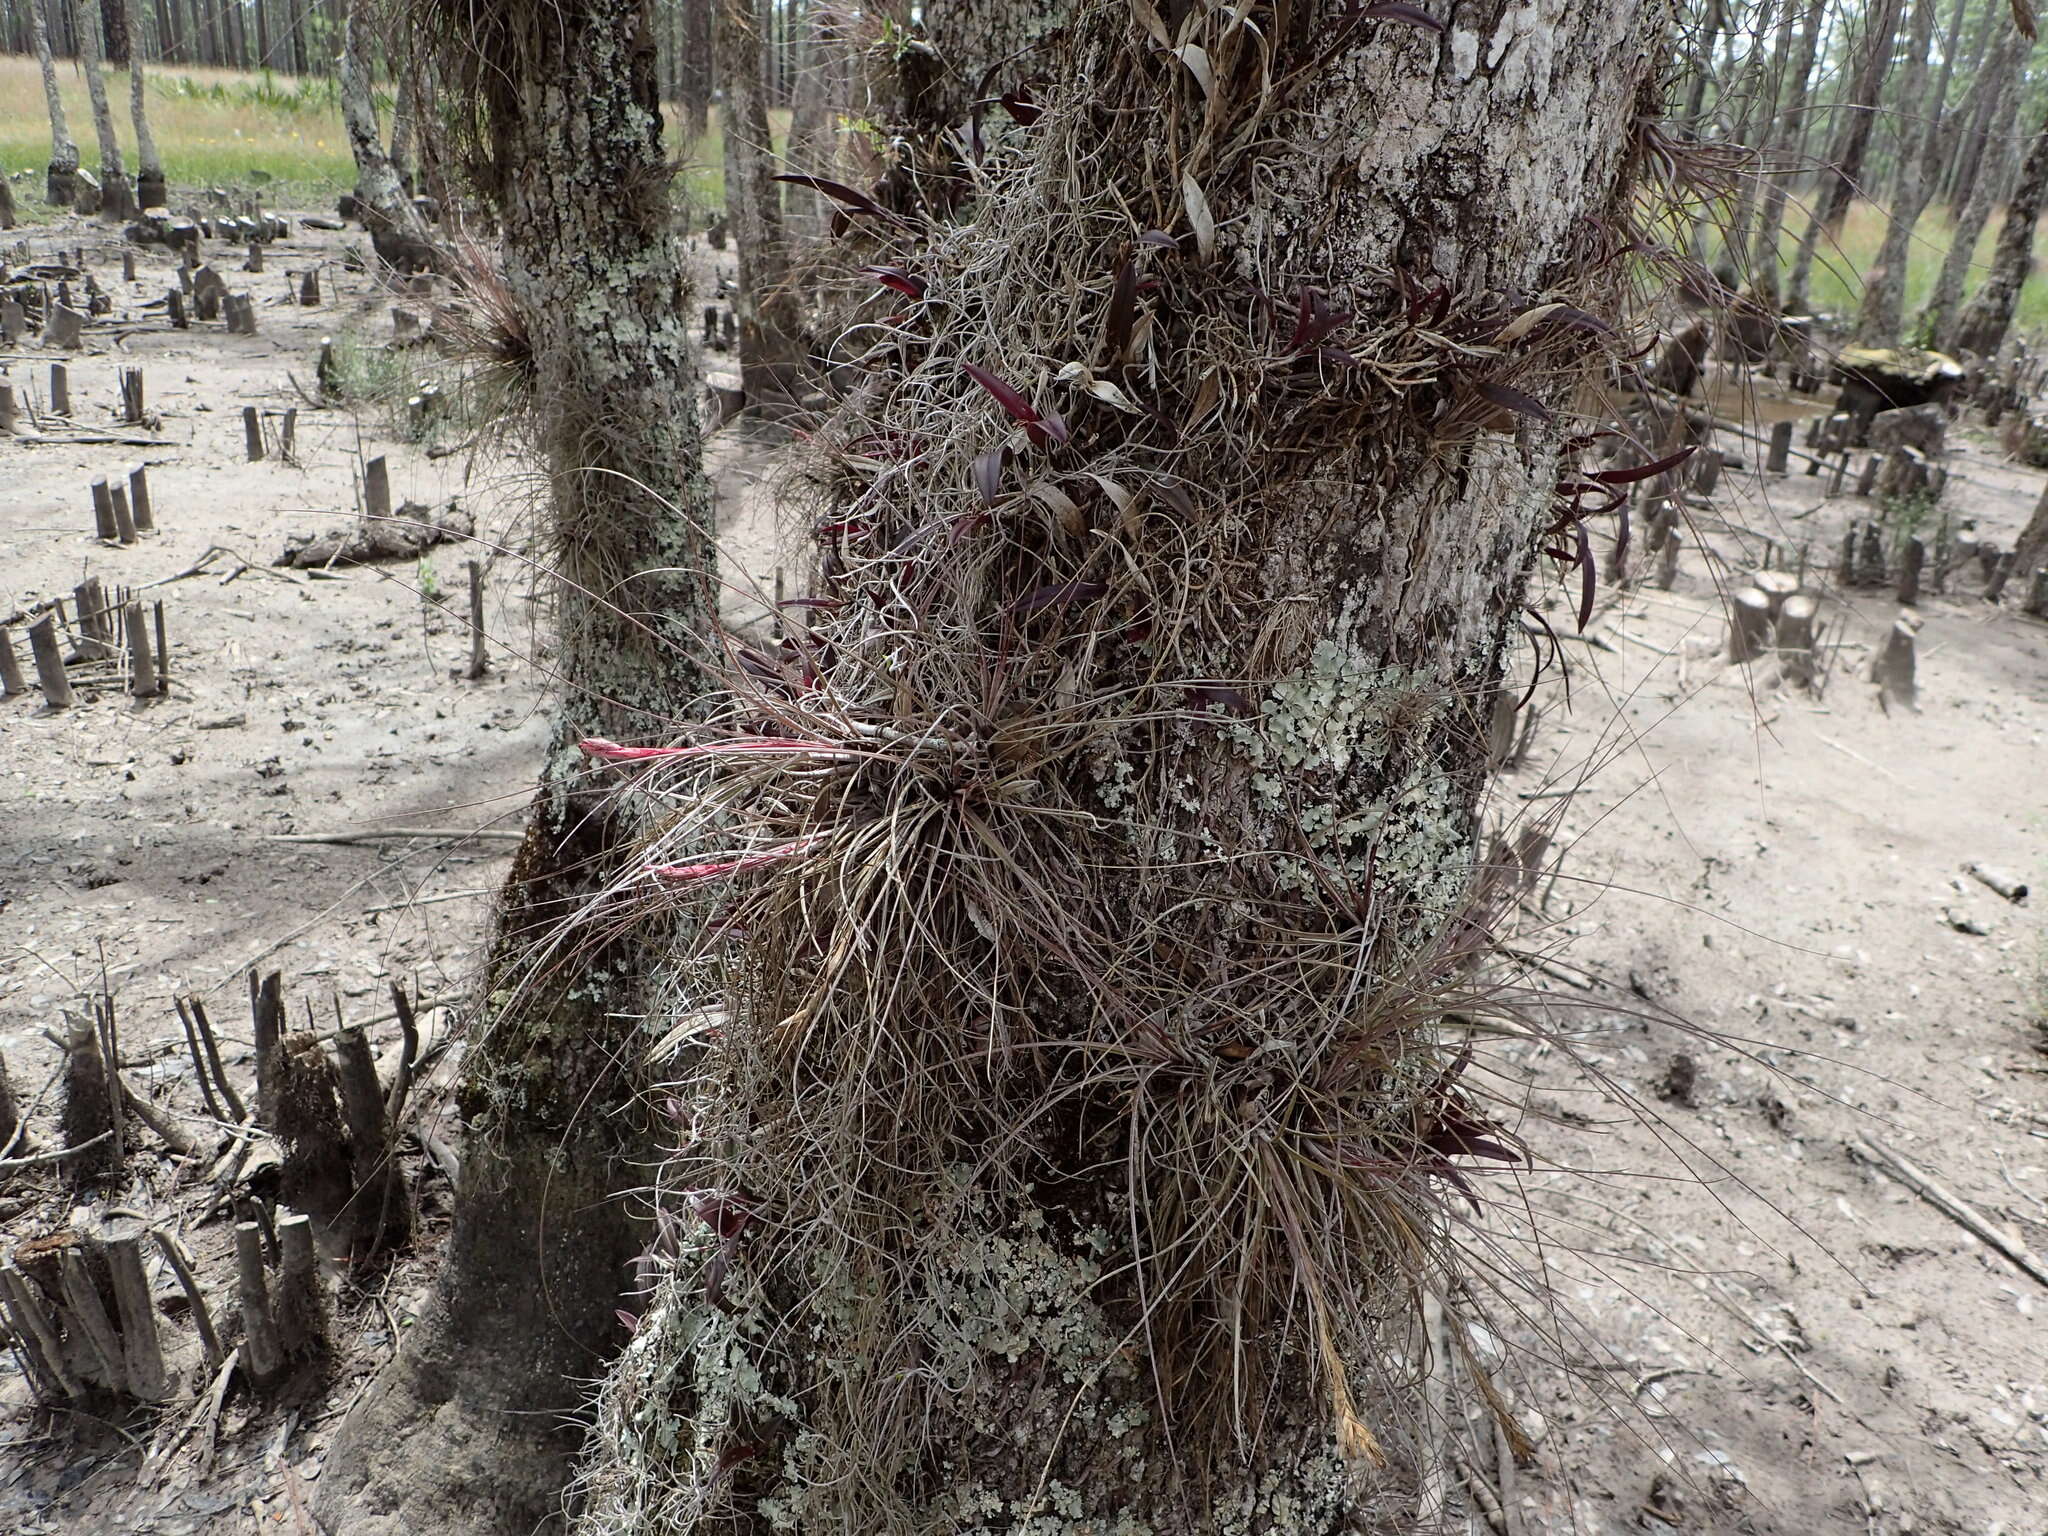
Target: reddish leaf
(988, 475)
(1637, 472)
(632, 1323)
(905, 283)
(1160, 238)
(1057, 594)
(1509, 398)
(1040, 425)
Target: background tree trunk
(1784, 164)
(1882, 312)
(382, 203)
(1144, 752)
(117, 198)
(770, 321)
(150, 191)
(1982, 326)
(2000, 81)
(61, 187)
(472, 1426)
(1842, 179)
(695, 67)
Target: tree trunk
(117, 198)
(150, 191)
(1882, 312)
(1069, 1131)
(61, 187)
(770, 323)
(695, 67)
(821, 75)
(115, 31)
(404, 126)
(472, 1426)
(385, 210)
(1843, 178)
(1763, 260)
(1982, 326)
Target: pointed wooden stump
(1794, 637)
(49, 661)
(1780, 456)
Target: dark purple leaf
(908, 284)
(632, 1323)
(1509, 398)
(1618, 561)
(1160, 238)
(1393, 10)
(1336, 357)
(1644, 471)
(1211, 695)
(988, 475)
(1056, 595)
(1588, 575)
(1123, 311)
(840, 192)
(1018, 103)
(1175, 495)
(729, 1458)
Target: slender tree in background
(471, 1426)
(2000, 83)
(117, 198)
(1067, 1129)
(60, 189)
(1986, 320)
(1843, 176)
(1882, 311)
(694, 67)
(1782, 162)
(150, 191)
(814, 116)
(766, 307)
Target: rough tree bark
(60, 188)
(117, 198)
(770, 321)
(471, 1427)
(1843, 177)
(1057, 1146)
(1982, 326)
(1882, 311)
(1783, 166)
(1999, 84)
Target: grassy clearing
(258, 134)
(1837, 287)
(271, 136)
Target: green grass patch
(254, 135)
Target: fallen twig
(425, 834)
(43, 1159)
(1955, 1208)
